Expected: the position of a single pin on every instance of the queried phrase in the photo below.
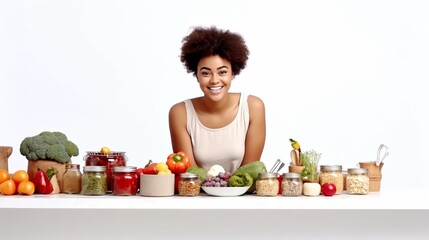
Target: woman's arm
(180, 139)
(255, 138)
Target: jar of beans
(125, 180)
(267, 184)
(94, 180)
(189, 184)
(332, 174)
(357, 181)
(291, 184)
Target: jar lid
(331, 168)
(72, 165)
(291, 175)
(188, 175)
(97, 153)
(124, 169)
(268, 175)
(357, 170)
(94, 168)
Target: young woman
(219, 127)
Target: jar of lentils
(189, 184)
(332, 174)
(267, 184)
(291, 184)
(125, 180)
(357, 181)
(94, 180)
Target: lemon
(164, 172)
(105, 150)
(162, 166)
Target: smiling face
(214, 76)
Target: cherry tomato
(329, 189)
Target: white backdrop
(341, 77)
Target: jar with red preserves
(111, 160)
(125, 180)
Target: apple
(329, 189)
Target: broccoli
(49, 146)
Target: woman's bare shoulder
(255, 102)
(178, 108)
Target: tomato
(4, 175)
(329, 189)
(8, 187)
(26, 188)
(20, 176)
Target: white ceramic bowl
(225, 191)
(153, 185)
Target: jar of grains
(125, 180)
(189, 184)
(94, 180)
(357, 181)
(72, 179)
(267, 184)
(291, 184)
(332, 174)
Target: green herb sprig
(310, 160)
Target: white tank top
(224, 146)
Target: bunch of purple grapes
(221, 180)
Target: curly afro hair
(203, 42)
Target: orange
(8, 187)
(20, 176)
(4, 175)
(26, 188)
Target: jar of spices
(125, 180)
(357, 181)
(189, 184)
(332, 174)
(72, 179)
(267, 184)
(291, 184)
(94, 180)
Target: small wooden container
(374, 173)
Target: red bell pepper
(150, 168)
(41, 183)
(178, 162)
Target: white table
(391, 213)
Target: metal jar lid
(331, 168)
(94, 168)
(124, 169)
(291, 175)
(267, 175)
(357, 171)
(188, 175)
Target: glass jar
(125, 180)
(72, 179)
(94, 180)
(357, 181)
(189, 184)
(332, 174)
(267, 184)
(109, 161)
(291, 184)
